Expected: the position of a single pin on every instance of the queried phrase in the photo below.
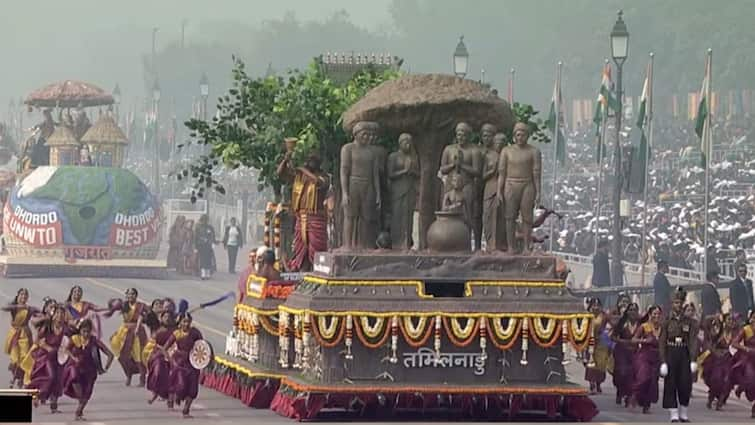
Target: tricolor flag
(606, 100)
(556, 125)
(640, 151)
(702, 122)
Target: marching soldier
(678, 348)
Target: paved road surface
(114, 403)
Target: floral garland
(458, 336)
(415, 336)
(327, 331)
(579, 333)
(373, 331)
(504, 338)
(386, 314)
(337, 334)
(268, 326)
(545, 336)
(368, 336)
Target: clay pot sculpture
(448, 233)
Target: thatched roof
(62, 136)
(104, 131)
(417, 101)
(69, 94)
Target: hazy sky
(42, 41)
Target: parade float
(75, 211)
(376, 331)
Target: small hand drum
(200, 355)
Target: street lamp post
(156, 163)
(461, 59)
(117, 99)
(204, 91)
(619, 52)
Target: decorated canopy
(69, 94)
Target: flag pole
(556, 131)
(511, 87)
(707, 130)
(601, 151)
(649, 115)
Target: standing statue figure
(492, 211)
(309, 188)
(403, 172)
(464, 158)
(519, 179)
(360, 187)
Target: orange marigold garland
(579, 334)
(268, 326)
(337, 333)
(423, 335)
(371, 343)
(547, 336)
(498, 340)
(467, 335)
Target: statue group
(487, 186)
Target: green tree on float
(257, 114)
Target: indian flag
(639, 164)
(555, 124)
(606, 100)
(701, 122)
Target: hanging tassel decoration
(297, 341)
(591, 352)
(483, 338)
(525, 341)
(394, 340)
(255, 342)
(349, 325)
(436, 344)
(283, 338)
(565, 341)
(305, 340)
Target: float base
(59, 267)
(253, 385)
(300, 400)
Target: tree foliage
(256, 114)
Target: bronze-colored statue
(519, 178)
(403, 172)
(493, 222)
(455, 200)
(360, 187)
(464, 158)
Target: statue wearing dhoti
(361, 171)
(493, 222)
(403, 172)
(519, 182)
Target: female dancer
(623, 353)
(158, 368)
(184, 379)
(128, 340)
(41, 363)
(595, 369)
(717, 360)
(743, 372)
(80, 372)
(19, 336)
(647, 360)
(77, 309)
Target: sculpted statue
(309, 187)
(403, 174)
(455, 200)
(464, 158)
(493, 223)
(360, 187)
(519, 179)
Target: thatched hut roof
(62, 136)
(69, 94)
(418, 101)
(104, 131)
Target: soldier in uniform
(678, 348)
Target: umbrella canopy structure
(429, 106)
(69, 94)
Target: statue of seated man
(454, 200)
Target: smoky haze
(107, 42)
